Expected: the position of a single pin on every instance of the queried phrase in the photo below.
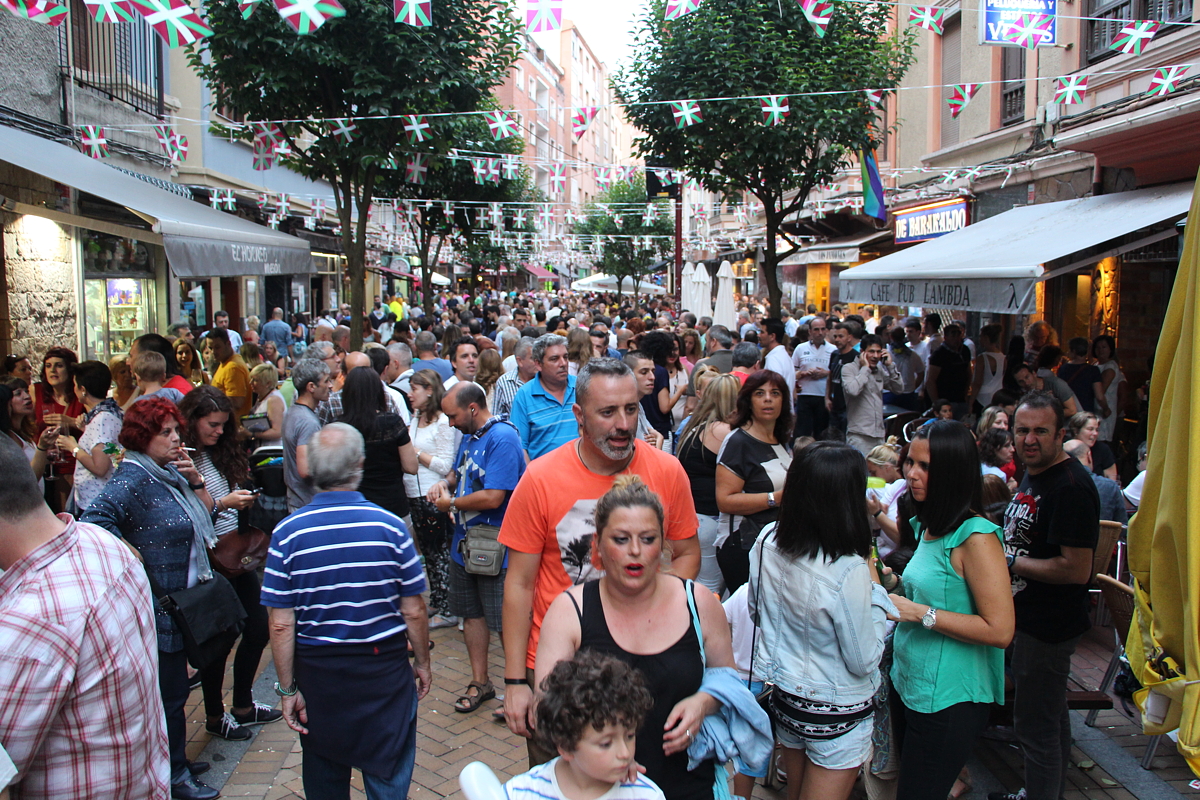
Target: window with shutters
(1107, 17)
(951, 74)
(1012, 90)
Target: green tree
(452, 177)
(752, 48)
(363, 67)
(625, 252)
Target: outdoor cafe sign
(930, 221)
(1001, 295)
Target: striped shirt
(541, 783)
(507, 386)
(542, 422)
(343, 564)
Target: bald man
(331, 409)
(1112, 502)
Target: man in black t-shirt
(949, 373)
(1050, 531)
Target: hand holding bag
(240, 551)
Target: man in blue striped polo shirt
(542, 411)
(343, 584)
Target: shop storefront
(121, 286)
(811, 274)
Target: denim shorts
(848, 751)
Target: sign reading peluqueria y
(931, 221)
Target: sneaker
(1017, 795)
(442, 621)
(259, 715)
(228, 728)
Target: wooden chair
(1119, 599)
(1110, 534)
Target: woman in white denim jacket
(822, 618)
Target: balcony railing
(123, 60)
(1112, 15)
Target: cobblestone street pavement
(1104, 760)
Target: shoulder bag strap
(757, 611)
(689, 588)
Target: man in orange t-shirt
(549, 527)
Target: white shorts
(848, 751)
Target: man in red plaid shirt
(80, 711)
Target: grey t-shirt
(721, 359)
(299, 424)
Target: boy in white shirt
(589, 711)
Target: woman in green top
(956, 615)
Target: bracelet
(195, 487)
(877, 513)
(516, 681)
(43, 449)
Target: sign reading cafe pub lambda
(931, 221)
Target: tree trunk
(771, 258)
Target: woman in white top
(989, 367)
(1112, 381)
(264, 379)
(102, 426)
(436, 444)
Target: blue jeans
(1041, 720)
(329, 780)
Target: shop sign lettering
(995, 16)
(986, 294)
(944, 294)
(919, 224)
(246, 253)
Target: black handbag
(209, 615)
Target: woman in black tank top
(642, 617)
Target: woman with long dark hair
(17, 408)
(435, 444)
(18, 366)
(191, 365)
(390, 453)
(956, 614)
(55, 405)
(751, 469)
(822, 618)
(661, 347)
(211, 430)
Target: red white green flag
(501, 124)
(109, 10)
(93, 141)
(306, 16)
(679, 8)
(418, 13)
(774, 108)
(819, 14)
(416, 128)
(874, 97)
(493, 170)
(686, 112)
(343, 130)
(1165, 80)
(417, 169)
(174, 145)
(47, 12)
(543, 15)
(1133, 38)
(496, 215)
(1028, 30)
(1070, 89)
(511, 168)
(479, 170)
(175, 21)
(318, 207)
(558, 178)
(247, 7)
(960, 95)
(650, 215)
(264, 154)
(581, 120)
(931, 18)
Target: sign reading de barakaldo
(929, 222)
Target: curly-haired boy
(589, 712)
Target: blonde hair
(491, 367)
(264, 372)
(702, 375)
(628, 491)
(717, 404)
(884, 455)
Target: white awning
(835, 251)
(995, 264)
(200, 241)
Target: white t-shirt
(778, 362)
(737, 611)
(541, 783)
(1133, 492)
(889, 501)
(809, 356)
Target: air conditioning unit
(1049, 112)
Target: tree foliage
(621, 255)
(364, 67)
(751, 48)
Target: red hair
(145, 419)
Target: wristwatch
(75, 452)
(279, 690)
(770, 499)
(453, 506)
(1011, 558)
(930, 618)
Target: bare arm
(275, 411)
(560, 636)
(981, 561)
(1070, 408)
(685, 557)
(664, 399)
(408, 458)
(302, 460)
(412, 608)
(1101, 400)
(730, 497)
(1072, 565)
(283, 652)
(517, 622)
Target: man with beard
(548, 527)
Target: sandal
(469, 702)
